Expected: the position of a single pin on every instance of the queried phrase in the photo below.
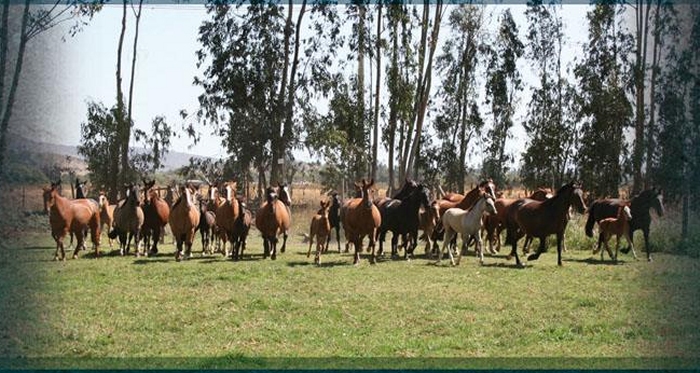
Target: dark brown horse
(184, 220)
(334, 218)
(540, 219)
(241, 229)
(207, 223)
(272, 219)
(67, 217)
(639, 207)
(401, 217)
(360, 218)
(128, 221)
(155, 214)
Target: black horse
(639, 207)
(401, 217)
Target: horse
(468, 224)
(272, 219)
(320, 228)
(155, 213)
(226, 214)
(213, 204)
(128, 221)
(494, 223)
(639, 207)
(184, 220)
(334, 219)
(80, 197)
(402, 217)
(241, 228)
(540, 219)
(68, 217)
(619, 226)
(106, 213)
(207, 222)
(285, 197)
(360, 217)
(428, 220)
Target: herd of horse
(224, 221)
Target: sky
(67, 72)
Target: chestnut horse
(184, 220)
(68, 217)
(639, 207)
(106, 213)
(540, 219)
(272, 219)
(226, 214)
(320, 228)
(207, 222)
(155, 213)
(618, 226)
(360, 218)
(429, 219)
(128, 221)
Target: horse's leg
(560, 243)
(80, 241)
(646, 243)
(540, 249)
(607, 247)
(479, 248)
(382, 237)
(266, 247)
(337, 236)
(284, 240)
(311, 242)
(372, 244)
(273, 248)
(631, 245)
(357, 242)
(617, 246)
(156, 237)
(394, 245)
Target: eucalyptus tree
(678, 170)
(551, 133)
(258, 81)
(33, 21)
(502, 86)
(459, 119)
(605, 110)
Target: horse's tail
(591, 220)
(113, 233)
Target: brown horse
(272, 219)
(184, 220)
(360, 218)
(540, 219)
(226, 214)
(494, 223)
(213, 203)
(207, 222)
(128, 221)
(429, 219)
(470, 198)
(618, 226)
(155, 213)
(106, 213)
(321, 229)
(67, 217)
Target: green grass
(250, 313)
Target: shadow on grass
(151, 261)
(39, 248)
(595, 261)
(506, 265)
(323, 264)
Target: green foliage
(156, 144)
(100, 145)
(605, 108)
(502, 85)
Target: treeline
(437, 88)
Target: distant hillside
(172, 160)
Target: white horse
(467, 223)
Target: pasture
(208, 312)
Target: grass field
(209, 312)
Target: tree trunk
(375, 137)
(124, 127)
(393, 109)
(7, 114)
(277, 145)
(642, 23)
(425, 89)
(651, 128)
(360, 90)
(3, 48)
(129, 122)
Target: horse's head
(335, 199)
(625, 213)
(422, 194)
(284, 195)
(658, 202)
(490, 204)
(434, 212)
(102, 200)
(213, 193)
(488, 186)
(367, 189)
(270, 195)
(408, 187)
(577, 200)
(323, 211)
(230, 188)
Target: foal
(321, 229)
(618, 226)
(467, 223)
(106, 214)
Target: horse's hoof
(649, 260)
(509, 257)
(533, 257)
(273, 256)
(75, 256)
